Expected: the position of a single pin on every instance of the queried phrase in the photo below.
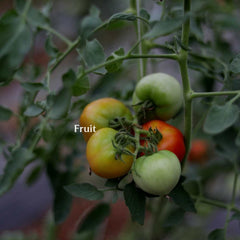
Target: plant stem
(69, 49)
(212, 94)
(182, 60)
(56, 33)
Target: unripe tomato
(100, 112)
(101, 155)
(164, 91)
(158, 173)
(172, 138)
(199, 151)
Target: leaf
(33, 111)
(182, 198)
(69, 78)
(135, 201)
(111, 183)
(97, 215)
(19, 159)
(144, 14)
(5, 113)
(90, 23)
(217, 234)
(81, 85)
(174, 218)
(61, 104)
(84, 190)
(122, 16)
(235, 64)
(15, 42)
(114, 67)
(51, 49)
(235, 216)
(32, 86)
(34, 175)
(220, 118)
(62, 205)
(34, 16)
(93, 53)
(164, 27)
(237, 141)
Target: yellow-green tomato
(101, 155)
(100, 112)
(165, 93)
(158, 173)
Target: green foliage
(5, 113)
(135, 200)
(217, 234)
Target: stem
(69, 49)
(26, 8)
(139, 37)
(212, 94)
(234, 190)
(56, 33)
(182, 60)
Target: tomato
(158, 173)
(172, 138)
(199, 151)
(165, 93)
(98, 114)
(101, 155)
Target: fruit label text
(78, 128)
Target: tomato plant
(158, 173)
(146, 62)
(171, 138)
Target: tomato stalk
(182, 60)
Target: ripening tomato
(98, 114)
(164, 91)
(158, 173)
(199, 151)
(101, 155)
(172, 138)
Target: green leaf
(84, 190)
(90, 23)
(61, 104)
(220, 118)
(235, 216)
(235, 64)
(19, 159)
(32, 86)
(62, 204)
(15, 42)
(135, 201)
(182, 198)
(51, 49)
(174, 218)
(111, 183)
(34, 175)
(122, 16)
(5, 113)
(114, 67)
(237, 141)
(164, 27)
(69, 78)
(97, 215)
(93, 53)
(33, 111)
(217, 234)
(34, 16)
(81, 85)
(144, 14)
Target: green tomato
(165, 93)
(158, 173)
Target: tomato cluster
(111, 150)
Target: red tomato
(199, 151)
(172, 139)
